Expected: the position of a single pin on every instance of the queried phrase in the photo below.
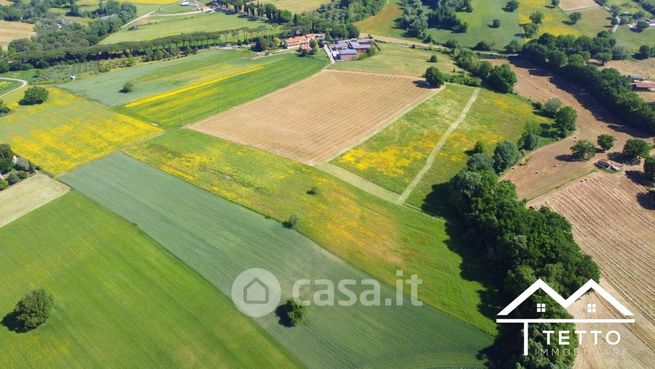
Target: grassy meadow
(399, 60)
(633, 40)
(67, 130)
(121, 300)
(367, 232)
(494, 117)
(185, 90)
(193, 102)
(220, 239)
(298, 6)
(393, 157)
(152, 27)
(6, 86)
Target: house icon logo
(565, 303)
(256, 292)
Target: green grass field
(367, 232)
(393, 157)
(224, 90)
(153, 27)
(479, 21)
(633, 40)
(298, 6)
(121, 300)
(399, 60)
(6, 86)
(67, 130)
(493, 117)
(220, 239)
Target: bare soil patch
(571, 5)
(551, 166)
(317, 118)
(617, 231)
(32, 193)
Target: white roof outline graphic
(565, 303)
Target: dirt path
(442, 141)
(552, 166)
(359, 182)
(23, 83)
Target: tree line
(520, 245)
(568, 57)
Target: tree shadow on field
(638, 177)
(462, 241)
(282, 313)
(12, 324)
(646, 200)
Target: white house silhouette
(565, 303)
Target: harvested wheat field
(320, 117)
(613, 221)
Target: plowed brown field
(317, 118)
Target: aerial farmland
(319, 184)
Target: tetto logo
(611, 337)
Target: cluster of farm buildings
(640, 83)
(342, 50)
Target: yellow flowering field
(67, 131)
(494, 117)
(554, 18)
(393, 157)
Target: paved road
(23, 83)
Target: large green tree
(565, 120)
(33, 309)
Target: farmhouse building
(346, 50)
(302, 41)
(636, 77)
(644, 86)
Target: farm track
(22, 82)
(318, 117)
(442, 141)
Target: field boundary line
(385, 125)
(442, 141)
(22, 81)
(359, 182)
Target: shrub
(495, 23)
(552, 106)
(313, 191)
(22, 174)
(634, 149)
(649, 168)
(502, 79)
(565, 120)
(583, 150)
(434, 77)
(127, 87)
(4, 109)
(479, 162)
(291, 222)
(3, 185)
(433, 59)
(34, 95)
(12, 179)
(33, 309)
(478, 148)
(296, 312)
(505, 155)
(512, 5)
(606, 142)
(575, 17)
